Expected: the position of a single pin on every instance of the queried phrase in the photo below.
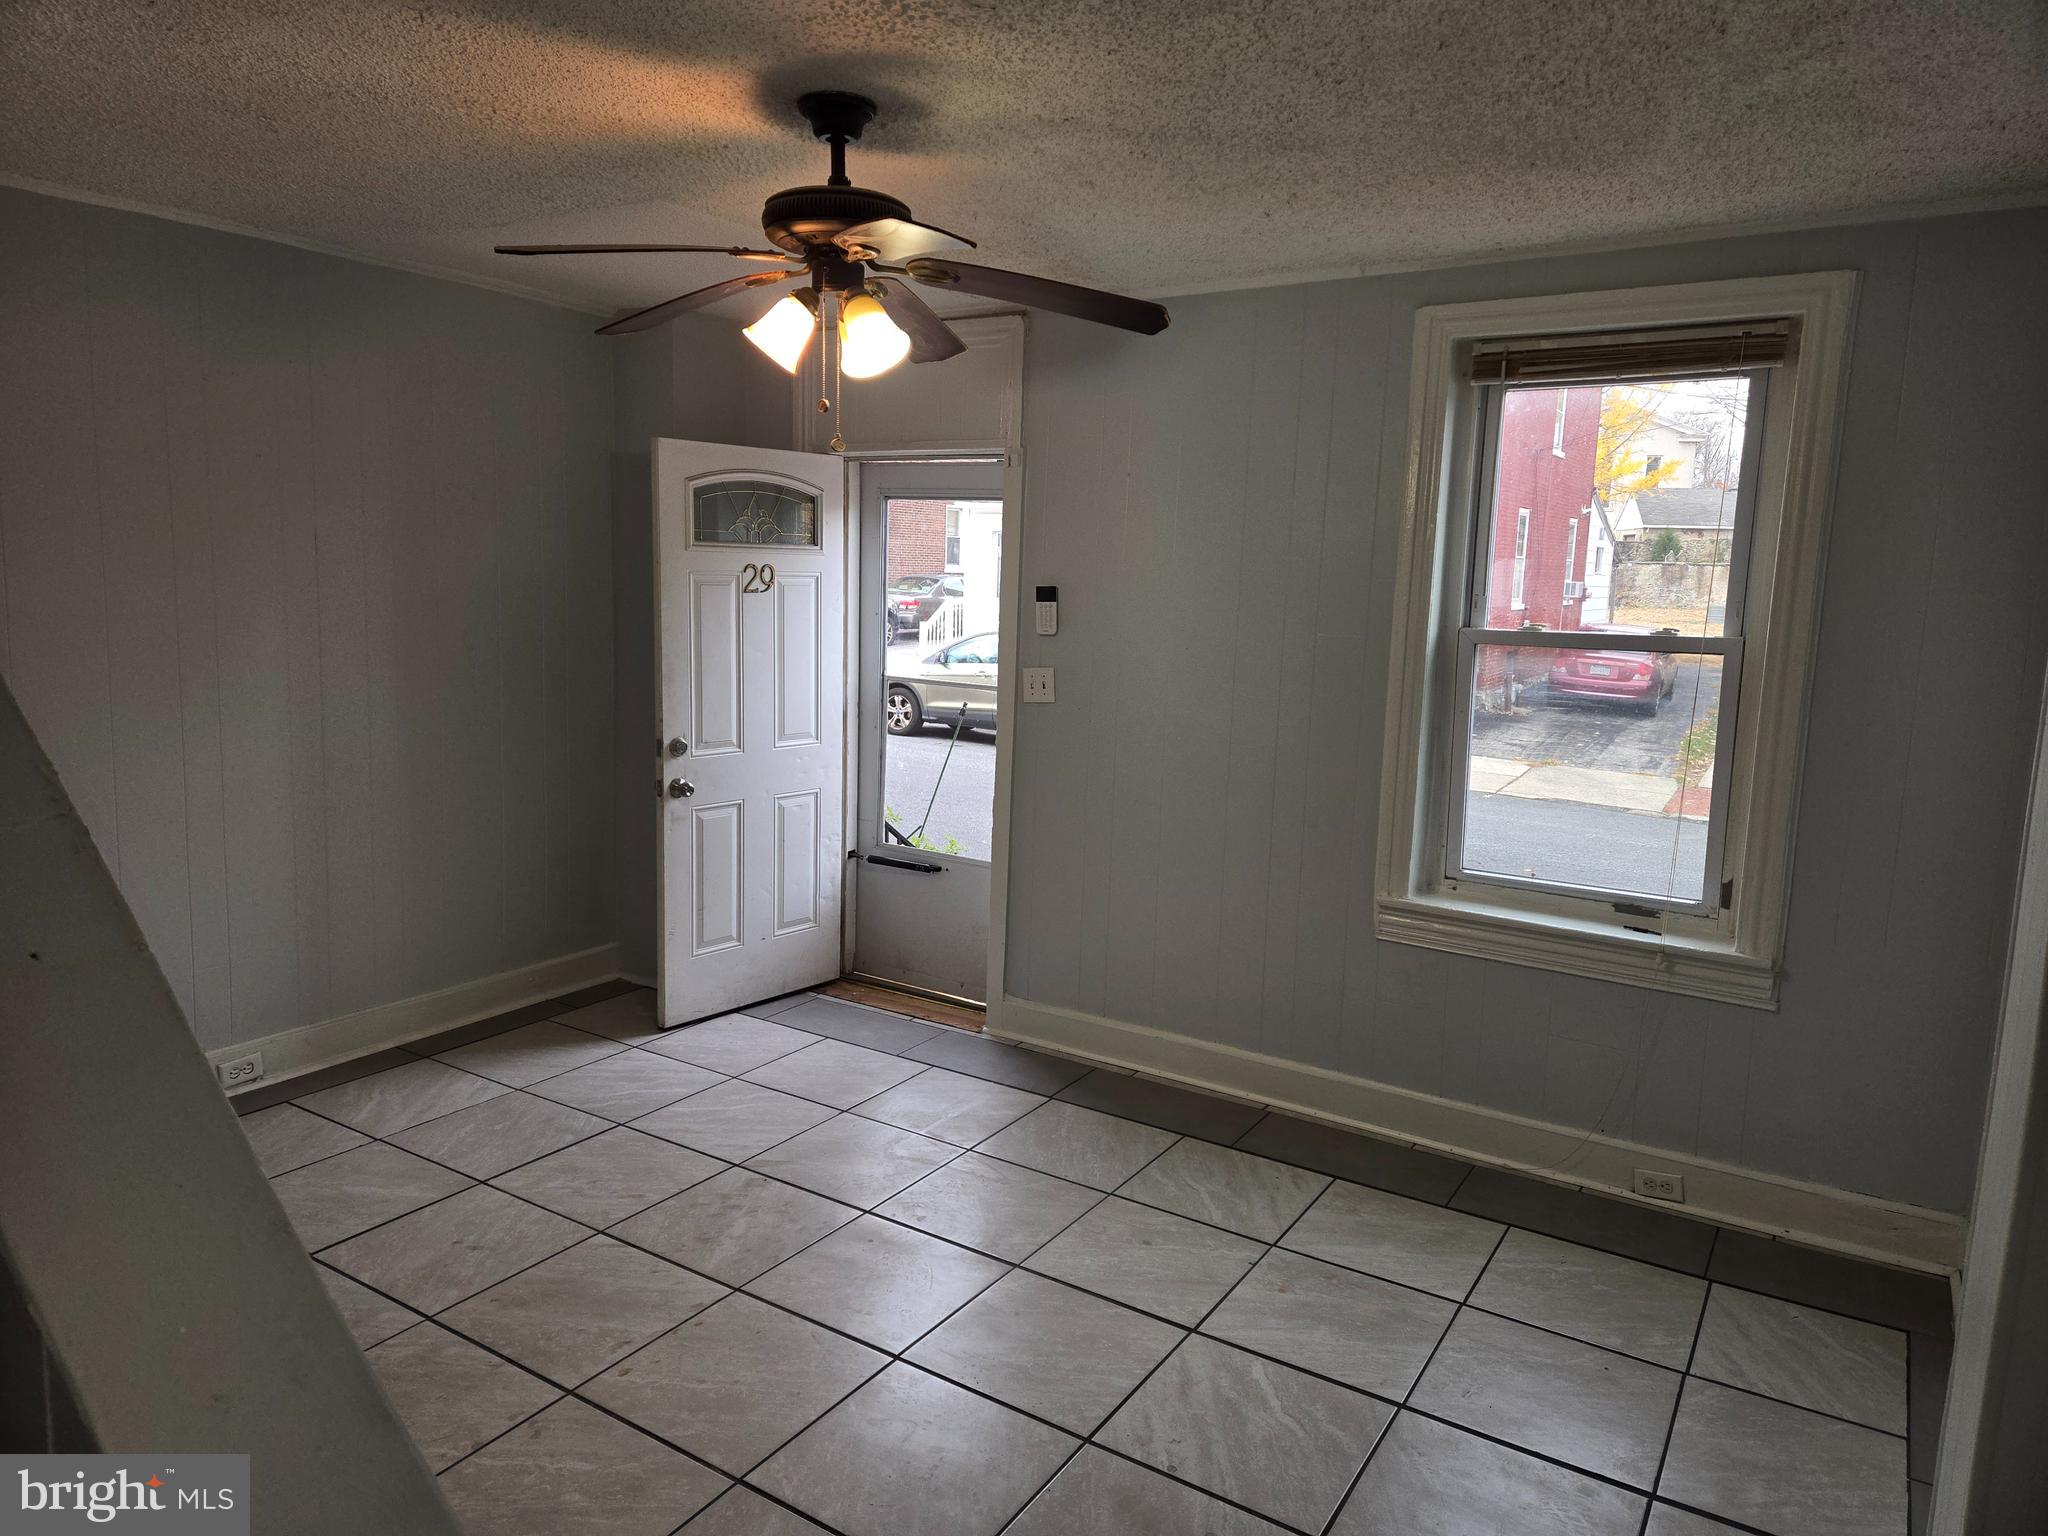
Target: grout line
(1105, 1195)
(1691, 1354)
(957, 1152)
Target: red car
(1642, 678)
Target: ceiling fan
(856, 245)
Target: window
(952, 538)
(1557, 426)
(1608, 789)
(975, 650)
(753, 512)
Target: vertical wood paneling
(1226, 667)
(55, 564)
(299, 522)
(307, 593)
(586, 912)
(1149, 506)
(1109, 472)
(521, 494)
(180, 293)
(256, 457)
(344, 379)
(125, 345)
(1270, 504)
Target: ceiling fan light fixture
(836, 235)
(870, 343)
(786, 330)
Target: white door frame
(1012, 457)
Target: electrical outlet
(243, 1069)
(1653, 1185)
(1038, 685)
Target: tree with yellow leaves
(1619, 472)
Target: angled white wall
(160, 1273)
(306, 588)
(1193, 822)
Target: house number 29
(756, 578)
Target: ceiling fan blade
(660, 314)
(897, 240)
(608, 250)
(931, 339)
(1041, 293)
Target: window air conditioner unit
(1574, 589)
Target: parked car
(1642, 678)
(913, 599)
(956, 680)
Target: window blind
(1619, 357)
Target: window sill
(1578, 948)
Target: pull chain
(824, 400)
(838, 443)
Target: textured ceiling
(1143, 145)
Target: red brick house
(919, 542)
(1546, 533)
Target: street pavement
(1600, 736)
(966, 804)
(1593, 753)
(1593, 845)
(965, 808)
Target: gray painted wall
(306, 588)
(1195, 818)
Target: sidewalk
(1650, 793)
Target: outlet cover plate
(1654, 1184)
(243, 1069)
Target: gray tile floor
(823, 1268)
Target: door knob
(680, 789)
(677, 746)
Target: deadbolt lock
(677, 746)
(680, 789)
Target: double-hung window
(1601, 778)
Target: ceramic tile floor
(823, 1268)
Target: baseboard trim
(1909, 1237)
(323, 1044)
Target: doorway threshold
(913, 1002)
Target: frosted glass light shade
(784, 332)
(870, 343)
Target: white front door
(750, 547)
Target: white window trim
(1518, 587)
(1733, 955)
(1571, 555)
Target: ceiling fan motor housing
(801, 218)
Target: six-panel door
(751, 605)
